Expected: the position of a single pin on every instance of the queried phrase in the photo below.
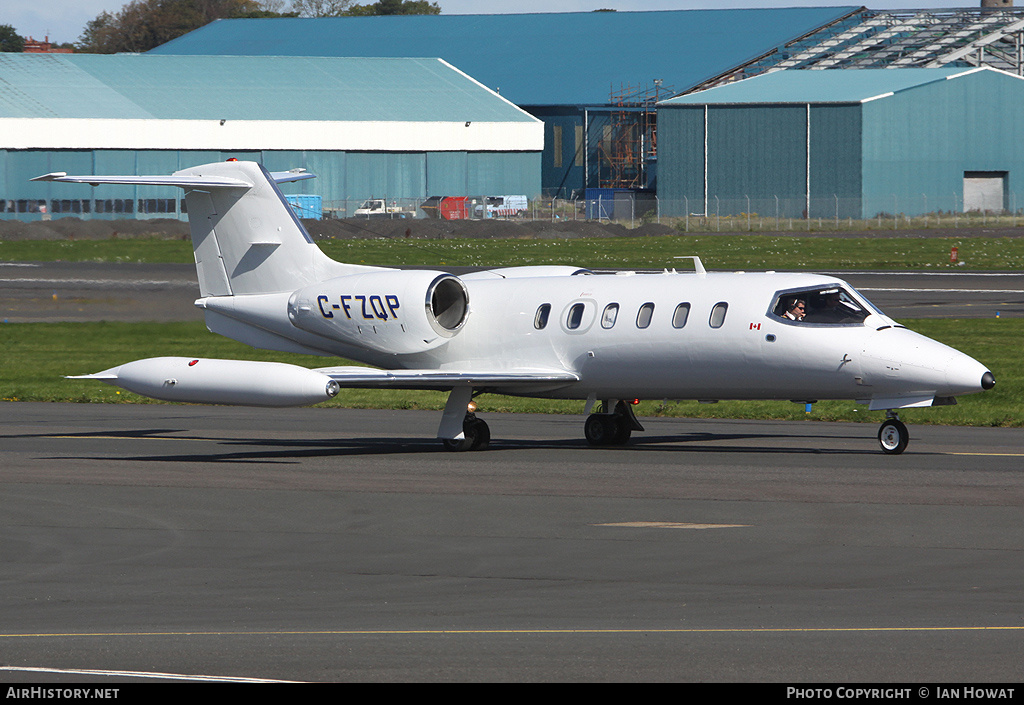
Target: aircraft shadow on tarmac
(282, 450)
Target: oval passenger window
(541, 319)
(682, 312)
(643, 318)
(718, 314)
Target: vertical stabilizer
(247, 239)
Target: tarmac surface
(345, 545)
(145, 542)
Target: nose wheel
(893, 436)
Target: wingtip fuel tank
(209, 381)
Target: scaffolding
(630, 140)
(979, 36)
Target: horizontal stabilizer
(191, 181)
(281, 177)
(182, 181)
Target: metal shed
(400, 128)
(852, 143)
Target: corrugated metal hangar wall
(342, 177)
(435, 132)
(845, 144)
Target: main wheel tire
(476, 435)
(457, 445)
(480, 432)
(893, 436)
(607, 430)
(599, 429)
(622, 431)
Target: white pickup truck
(378, 208)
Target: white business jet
(551, 331)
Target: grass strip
(36, 356)
(738, 251)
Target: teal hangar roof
(144, 86)
(533, 59)
(823, 86)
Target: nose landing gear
(893, 435)
(612, 429)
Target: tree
(396, 7)
(10, 40)
(143, 24)
(320, 8)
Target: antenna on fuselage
(698, 266)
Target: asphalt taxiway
(339, 545)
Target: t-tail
(247, 238)
(264, 282)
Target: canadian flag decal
(755, 326)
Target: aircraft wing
(369, 377)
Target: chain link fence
(631, 209)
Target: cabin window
(831, 305)
(575, 317)
(611, 312)
(680, 315)
(643, 318)
(717, 319)
(541, 319)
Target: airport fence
(717, 214)
(631, 209)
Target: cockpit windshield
(831, 305)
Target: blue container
(307, 206)
(618, 203)
(601, 202)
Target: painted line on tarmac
(917, 273)
(945, 291)
(133, 438)
(540, 632)
(142, 674)
(670, 525)
(100, 283)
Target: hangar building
(368, 127)
(856, 143)
(592, 77)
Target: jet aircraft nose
(965, 375)
(988, 380)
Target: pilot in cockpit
(830, 309)
(796, 310)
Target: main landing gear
(893, 435)
(460, 428)
(476, 435)
(611, 429)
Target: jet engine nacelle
(392, 311)
(206, 381)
